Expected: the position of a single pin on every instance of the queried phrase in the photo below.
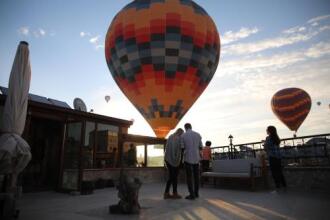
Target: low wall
(298, 178)
(306, 178)
(146, 175)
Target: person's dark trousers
(172, 178)
(192, 172)
(277, 173)
(205, 165)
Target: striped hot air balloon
(162, 54)
(291, 106)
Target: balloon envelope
(162, 55)
(291, 106)
(319, 103)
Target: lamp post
(231, 146)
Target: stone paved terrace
(214, 203)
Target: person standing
(173, 161)
(131, 156)
(206, 156)
(192, 144)
(272, 148)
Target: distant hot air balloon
(318, 103)
(291, 106)
(107, 98)
(162, 55)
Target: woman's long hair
(273, 134)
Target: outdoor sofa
(249, 169)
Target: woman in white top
(172, 161)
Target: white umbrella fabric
(14, 150)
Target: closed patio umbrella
(14, 150)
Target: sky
(266, 46)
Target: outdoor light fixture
(231, 146)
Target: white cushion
(235, 165)
(215, 174)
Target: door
(45, 141)
(71, 156)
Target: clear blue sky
(266, 46)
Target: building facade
(70, 146)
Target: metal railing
(306, 150)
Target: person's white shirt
(191, 143)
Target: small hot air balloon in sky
(291, 106)
(107, 98)
(318, 103)
(162, 54)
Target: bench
(249, 169)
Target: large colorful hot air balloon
(291, 106)
(162, 54)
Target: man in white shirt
(192, 144)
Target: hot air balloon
(162, 55)
(318, 103)
(291, 106)
(107, 98)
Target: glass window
(88, 147)
(140, 153)
(107, 146)
(131, 151)
(107, 138)
(71, 156)
(72, 145)
(155, 155)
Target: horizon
(265, 47)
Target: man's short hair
(187, 126)
(208, 143)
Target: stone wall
(146, 175)
(298, 178)
(306, 178)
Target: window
(88, 147)
(71, 156)
(107, 146)
(155, 155)
(133, 155)
(107, 138)
(143, 155)
(72, 146)
(140, 153)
